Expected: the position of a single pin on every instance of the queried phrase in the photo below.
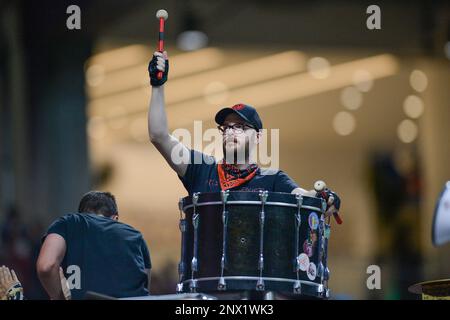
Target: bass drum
(254, 241)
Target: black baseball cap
(246, 112)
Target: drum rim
(190, 204)
(318, 293)
(256, 278)
(269, 203)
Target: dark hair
(98, 202)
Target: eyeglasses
(237, 128)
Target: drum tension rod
(298, 220)
(222, 285)
(182, 264)
(263, 196)
(194, 262)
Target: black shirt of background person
(112, 256)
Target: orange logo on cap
(238, 107)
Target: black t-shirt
(203, 177)
(112, 256)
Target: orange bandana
(230, 176)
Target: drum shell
(242, 243)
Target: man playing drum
(240, 126)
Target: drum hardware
(179, 288)
(260, 285)
(194, 262)
(193, 287)
(222, 285)
(182, 264)
(324, 206)
(326, 274)
(297, 287)
(321, 246)
(323, 270)
(320, 271)
(320, 288)
(298, 221)
(324, 258)
(269, 295)
(326, 277)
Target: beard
(235, 153)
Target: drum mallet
(162, 16)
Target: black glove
(326, 195)
(337, 200)
(153, 72)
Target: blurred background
(365, 110)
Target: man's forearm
(52, 283)
(157, 118)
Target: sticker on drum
(312, 271)
(303, 261)
(320, 270)
(308, 248)
(313, 237)
(327, 232)
(313, 221)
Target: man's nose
(229, 131)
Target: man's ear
(115, 217)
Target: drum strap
(230, 176)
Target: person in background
(97, 252)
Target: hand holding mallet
(323, 192)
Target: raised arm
(158, 129)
